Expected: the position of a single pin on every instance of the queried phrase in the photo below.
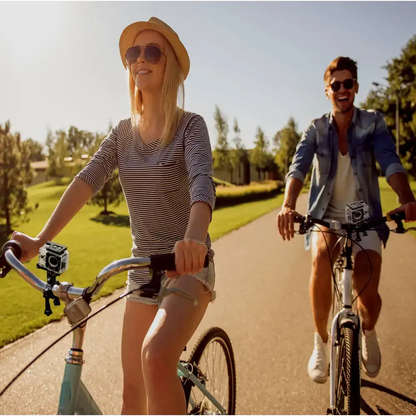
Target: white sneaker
(318, 363)
(371, 354)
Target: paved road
(263, 304)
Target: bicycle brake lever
(180, 292)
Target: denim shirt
(369, 140)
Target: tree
(222, 159)
(57, 145)
(401, 79)
(15, 175)
(259, 156)
(111, 193)
(36, 150)
(52, 169)
(237, 154)
(285, 142)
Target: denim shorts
(206, 277)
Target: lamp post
(376, 84)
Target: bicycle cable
(79, 324)
(341, 236)
(329, 255)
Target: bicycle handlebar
(12, 252)
(306, 222)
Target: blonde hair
(172, 100)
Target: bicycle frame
(74, 395)
(183, 371)
(346, 314)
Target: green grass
(92, 246)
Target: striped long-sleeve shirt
(159, 184)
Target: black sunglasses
(348, 84)
(152, 54)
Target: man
(344, 146)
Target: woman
(164, 159)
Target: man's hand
(285, 222)
(409, 209)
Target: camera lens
(357, 215)
(53, 261)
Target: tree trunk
(239, 173)
(6, 207)
(105, 198)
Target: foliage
(35, 149)
(401, 83)
(285, 142)
(222, 159)
(260, 156)
(15, 174)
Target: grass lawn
(92, 245)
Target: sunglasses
(152, 54)
(348, 84)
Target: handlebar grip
(167, 262)
(17, 250)
(13, 245)
(398, 216)
(299, 219)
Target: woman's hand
(189, 257)
(31, 246)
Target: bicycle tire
(347, 381)
(336, 304)
(210, 336)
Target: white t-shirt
(345, 190)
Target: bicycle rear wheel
(347, 377)
(213, 363)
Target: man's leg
(369, 302)
(320, 289)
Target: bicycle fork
(343, 316)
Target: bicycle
(345, 357)
(203, 395)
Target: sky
(260, 62)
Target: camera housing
(357, 212)
(54, 258)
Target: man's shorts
(371, 241)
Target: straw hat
(131, 31)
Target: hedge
(229, 196)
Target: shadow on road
(367, 408)
(115, 220)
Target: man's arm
(400, 184)
(285, 218)
(393, 169)
(301, 163)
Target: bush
(241, 194)
(219, 182)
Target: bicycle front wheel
(347, 386)
(214, 365)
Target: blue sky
(261, 62)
